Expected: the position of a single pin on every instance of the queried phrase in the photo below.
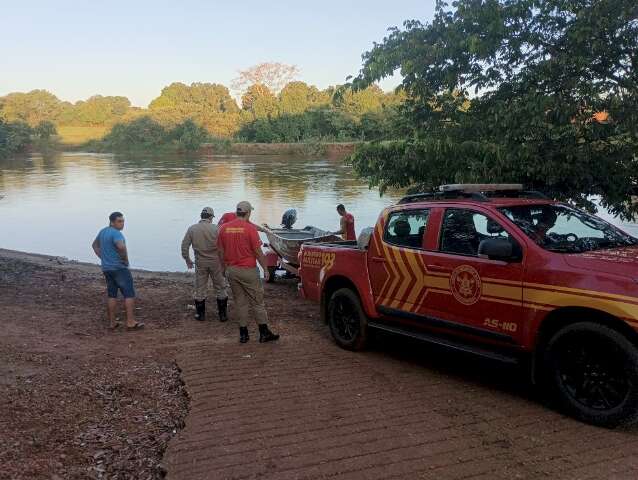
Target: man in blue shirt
(110, 247)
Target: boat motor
(289, 218)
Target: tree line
(296, 112)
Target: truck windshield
(560, 228)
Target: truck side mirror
(496, 249)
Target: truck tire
(592, 372)
(271, 274)
(347, 320)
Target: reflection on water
(56, 204)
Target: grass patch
(80, 135)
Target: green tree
(297, 97)
(96, 111)
(15, 137)
(188, 135)
(259, 101)
(45, 130)
(32, 107)
(539, 92)
(208, 104)
(361, 101)
(141, 133)
(184, 101)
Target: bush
(45, 130)
(15, 137)
(141, 133)
(188, 135)
(145, 133)
(323, 123)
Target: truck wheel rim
(592, 371)
(346, 320)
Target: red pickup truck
(499, 272)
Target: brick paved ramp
(304, 409)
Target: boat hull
(287, 243)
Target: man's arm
(342, 226)
(259, 253)
(121, 250)
(96, 248)
(186, 245)
(260, 228)
(261, 258)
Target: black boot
(222, 309)
(243, 334)
(200, 310)
(265, 335)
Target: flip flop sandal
(137, 326)
(115, 327)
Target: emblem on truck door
(465, 284)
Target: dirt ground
(77, 400)
(80, 401)
(184, 399)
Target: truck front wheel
(592, 371)
(348, 322)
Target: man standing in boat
(239, 249)
(203, 238)
(347, 224)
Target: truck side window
(406, 228)
(463, 230)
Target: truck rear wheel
(592, 371)
(348, 322)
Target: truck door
(395, 259)
(484, 295)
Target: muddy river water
(55, 204)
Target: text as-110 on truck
(500, 272)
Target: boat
(286, 243)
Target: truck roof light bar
(481, 192)
(481, 187)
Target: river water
(56, 204)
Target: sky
(76, 49)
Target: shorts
(121, 280)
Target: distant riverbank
(333, 150)
(330, 150)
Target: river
(56, 204)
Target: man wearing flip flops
(110, 247)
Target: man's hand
(189, 264)
(266, 275)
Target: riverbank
(87, 402)
(185, 400)
(333, 150)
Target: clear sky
(76, 49)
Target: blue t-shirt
(111, 259)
